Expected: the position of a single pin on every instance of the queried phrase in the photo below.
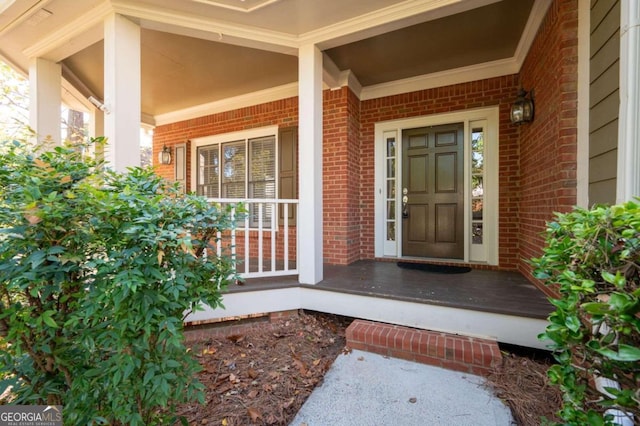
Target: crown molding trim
(536, 16)
(444, 78)
(159, 18)
(263, 96)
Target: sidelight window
(477, 185)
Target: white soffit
(247, 6)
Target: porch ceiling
(199, 51)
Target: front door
(433, 192)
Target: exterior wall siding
(604, 100)
(501, 92)
(548, 145)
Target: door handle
(405, 199)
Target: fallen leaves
(264, 374)
(254, 414)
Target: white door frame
(386, 129)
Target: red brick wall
(341, 170)
(549, 144)
(281, 113)
(500, 91)
(536, 165)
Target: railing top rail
(252, 200)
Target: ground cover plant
(97, 270)
(592, 259)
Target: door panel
(417, 229)
(445, 223)
(446, 173)
(432, 224)
(418, 172)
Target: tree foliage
(14, 104)
(97, 270)
(592, 258)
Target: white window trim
(231, 137)
(223, 138)
(491, 223)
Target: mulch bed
(263, 374)
(521, 382)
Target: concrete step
(453, 352)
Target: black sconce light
(522, 108)
(164, 156)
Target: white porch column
(45, 99)
(628, 177)
(122, 92)
(310, 164)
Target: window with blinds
(240, 169)
(234, 166)
(262, 176)
(208, 183)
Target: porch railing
(264, 243)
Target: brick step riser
(453, 352)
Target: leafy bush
(592, 259)
(97, 270)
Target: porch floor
(499, 292)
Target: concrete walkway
(367, 389)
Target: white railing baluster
(273, 236)
(260, 240)
(247, 254)
(285, 219)
(272, 227)
(233, 238)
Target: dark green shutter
(288, 170)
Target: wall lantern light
(522, 108)
(164, 156)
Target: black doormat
(438, 269)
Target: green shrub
(592, 258)
(97, 271)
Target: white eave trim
(242, 101)
(538, 12)
(73, 98)
(444, 78)
(387, 19)
(76, 30)
(160, 19)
